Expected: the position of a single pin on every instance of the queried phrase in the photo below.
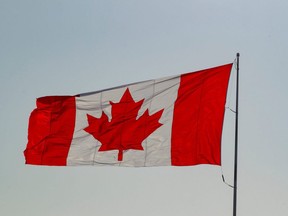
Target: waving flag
(169, 121)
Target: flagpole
(236, 139)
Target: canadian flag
(175, 121)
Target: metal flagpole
(236, 139)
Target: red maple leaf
(124, 131)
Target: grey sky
(69, 47)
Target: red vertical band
(50, 132)
(198, 117)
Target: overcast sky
(51, 47)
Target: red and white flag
(169, 121)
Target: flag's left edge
(50, 131)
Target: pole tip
(238, 54)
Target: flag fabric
(174, 121)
